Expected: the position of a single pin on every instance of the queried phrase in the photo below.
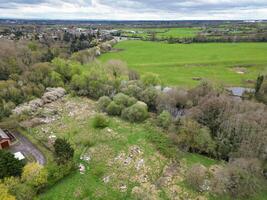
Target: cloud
(134, 9)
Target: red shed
(5, 140)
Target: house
(5, 140)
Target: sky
(135, 9)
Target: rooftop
(3, 135)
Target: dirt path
(27, 148)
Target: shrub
(201, 90)
(132, 88)
(164, 120)
(103, 103)
(133, 75)
(136, 113)
(63, 151)
(241, 183)
(24, 192)
(100, 121)
(149, 96)
(11, 183)
(114, 109)
(55, 172)
(173, 101)
(240, 179)
(194, 137)
(124, 100)
(4, 194)
(151, 79)
(35, 175)
(196, 176)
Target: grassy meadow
(110, 150)
(161, 32)
(231, 64)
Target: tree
(116, 68)
(63, 151)
(9, 165)
(35, 175)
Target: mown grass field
(162, 32)
(179, 64)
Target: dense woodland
(203, 120)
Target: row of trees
(261, 37)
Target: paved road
(27, 148)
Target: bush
(124, 100)
(4, 194)
(35, 175)
(164, 120)
(103, 103)
(196, 176)
(114, 109)
(149, 96)
(55, 172)
(151, 79)
(133, 75)
(136, 113)
(241, 183)
(100, 121)
(173, 101)
(194, 137)
(132, 88)
(24, 192)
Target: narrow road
(27, 148)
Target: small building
(5, 140)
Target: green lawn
(162, 32)
(178, 64)
(179, 33)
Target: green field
(231, 64)
(161, 32)
(179, 33)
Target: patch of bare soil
(240, 70)
(77, 108)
